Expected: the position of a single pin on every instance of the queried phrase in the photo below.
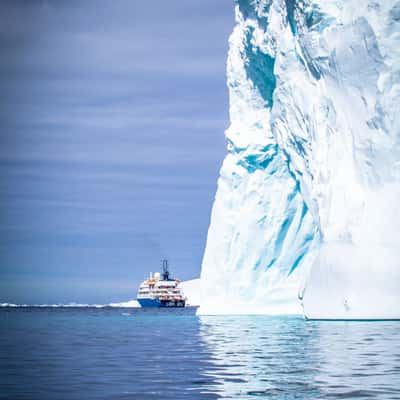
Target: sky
(112, 119)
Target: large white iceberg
(308, 195)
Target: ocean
(115, 353)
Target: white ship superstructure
(160, 290)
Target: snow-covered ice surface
(308, 195)
(126, 304)
(191, 290)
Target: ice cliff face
(308, 195)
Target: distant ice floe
(128, 304)
(191, 290)
(67, 305)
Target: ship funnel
(165, 270)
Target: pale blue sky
(112, 117)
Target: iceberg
(191, 290)
(307, 200)
(126, 304)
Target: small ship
(160, 290)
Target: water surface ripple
(172, 354)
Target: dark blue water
(169, 354)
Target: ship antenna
(165, 271)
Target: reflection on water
(293, 359)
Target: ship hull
(156, 303)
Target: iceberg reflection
(287, 357)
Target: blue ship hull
(158, 303)
(149, 302)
